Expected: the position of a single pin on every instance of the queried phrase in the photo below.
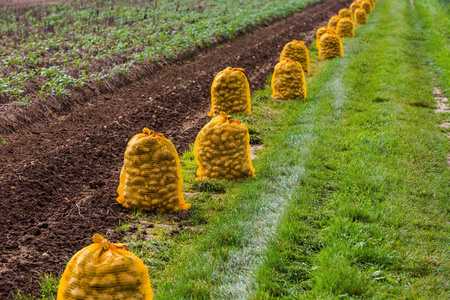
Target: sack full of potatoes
(345, 13)
(366, 6)
(222, 150)
(230, 92)
(321, 31)
(331, 46)
(345, 28)
(333, 21)
(360, 16)
(288, 81)
(105, 271)
(353, 8)
(151, 175)
(296, 51)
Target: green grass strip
(435, 24)
(370, 219)
(221, 264)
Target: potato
(77, 293)
(137, 180)
(215, 139)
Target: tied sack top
(105, 271)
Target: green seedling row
(64, 46)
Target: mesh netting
(366, 6)
(345, 28)
(105, 271)
(288, 81)
(353, 8)
(230, 92)
(222, 150)
(334, 21)
(151, 175)
(331, 46)
(360, 16)
(345, 13)
(297, 51)
(321, 31)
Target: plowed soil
(58, 181)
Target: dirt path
(59, 180)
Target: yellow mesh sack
(331, 46)
(333, 21)
(230, 92)
(360, 16)
(105, 271)
(297, 51)
(366, 6)
(354, 7)
(288, 81)
(222, 150)
(321, 31)
(345, 28)
(372, 3)
(345, 13)
(151, 175)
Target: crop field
(50, 50)
(65, 46)
(350, 197)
